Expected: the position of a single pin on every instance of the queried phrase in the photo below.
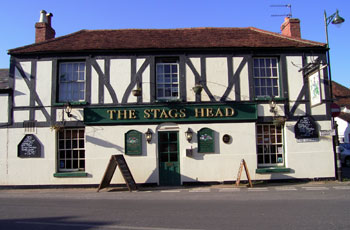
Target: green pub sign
(170, 113)
(133, 143)
(206, 140)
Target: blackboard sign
(206, 141)
(118, 160)
(306, 128)
(133, 143)
(29, 147)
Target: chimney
(291, 27)
(43, 29)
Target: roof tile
(87, 40)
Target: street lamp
(335, 19)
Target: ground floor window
(71, 149)
(270, 151)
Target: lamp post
(334, 19)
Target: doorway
(169, 164)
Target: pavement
(257, 185)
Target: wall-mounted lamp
(273, 107)
(148, 135)
(68, 109)
(189, 134)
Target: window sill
(272, 170)
(73, 103)
(169, 101)
(70, 174)
(269, 98)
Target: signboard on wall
(206, 140)
(306, 128)
(315, 89)
(133, 143)
(171, 113)
(29, 147)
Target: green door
(169, 164)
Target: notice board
(117, 160)
(133, 143)
(306, 128)
(29, 147)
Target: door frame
(179, 181)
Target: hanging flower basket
(279, 120)
(137, 92)
(56, 127)
(197, 89)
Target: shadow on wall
(104, 143)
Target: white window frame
(266, 77)
(71, 150)
(167, 82)
(72, 74)
(270, 145)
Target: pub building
(181, 105)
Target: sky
(18, 17)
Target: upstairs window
(167, 80)
(266, 79)
(71, 81)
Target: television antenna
(281, 15)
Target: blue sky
(17, 19)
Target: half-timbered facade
(206, 98)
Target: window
(266, 80)
(167, 79)
(71, 81)
(270, 145)
(71, 150)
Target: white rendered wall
(190, 79)
(4, 102)
(28, 171)
(243, 78)
(264, 110)
(104, 141)
(223, 164)
(305, 159)
(43, 87)
(217, 77)
(146, 83)
(120, 75)
(21, 91)
(20, 115)
(44, 82)
(295, 83)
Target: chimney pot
(291, 27)
(43, 29)
(49, 16)
(43, 17)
